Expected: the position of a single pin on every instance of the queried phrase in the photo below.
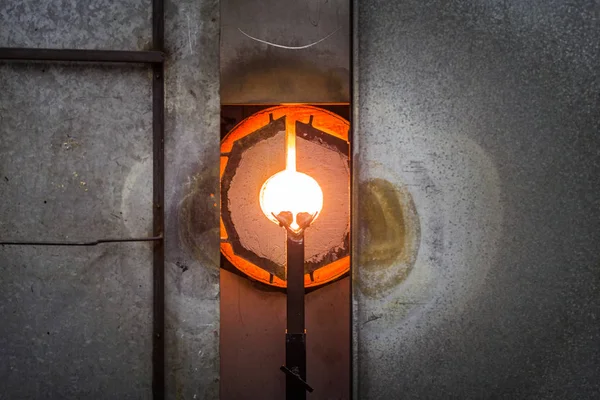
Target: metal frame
(155, 58)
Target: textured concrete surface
(76, 164)
(254, 72)
(487, 114)
(76, 322)
(75, 140)
(192, 172)
(93, 24)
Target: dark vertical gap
(352, 118)
(158, 194)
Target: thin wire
(289, 47)
(76, 243)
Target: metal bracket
(295, 375)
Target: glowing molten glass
(293, 191)
(290, 190)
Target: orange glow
(320, 119)
(290, 190)
(290, 144)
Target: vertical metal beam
(354, 210)
(295, 338)
(158, 195)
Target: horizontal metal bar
(102, 56)
(75, 243)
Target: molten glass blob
(292, 191)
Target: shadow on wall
(272, 80)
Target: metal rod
(295, 284)
(295, 343)
(158, 196)
(103, 56)
(76, 243)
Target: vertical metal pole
(354, 214)
(295, 338)
(158, 194)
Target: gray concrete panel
(71, 108)
(76, 322)
(64, 24)
(75, 152)
(487, 114)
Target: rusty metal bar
(79, 243)
(102, 56)
(158, 196)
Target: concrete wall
(485, 114)
(481, 115)
(76, 164)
